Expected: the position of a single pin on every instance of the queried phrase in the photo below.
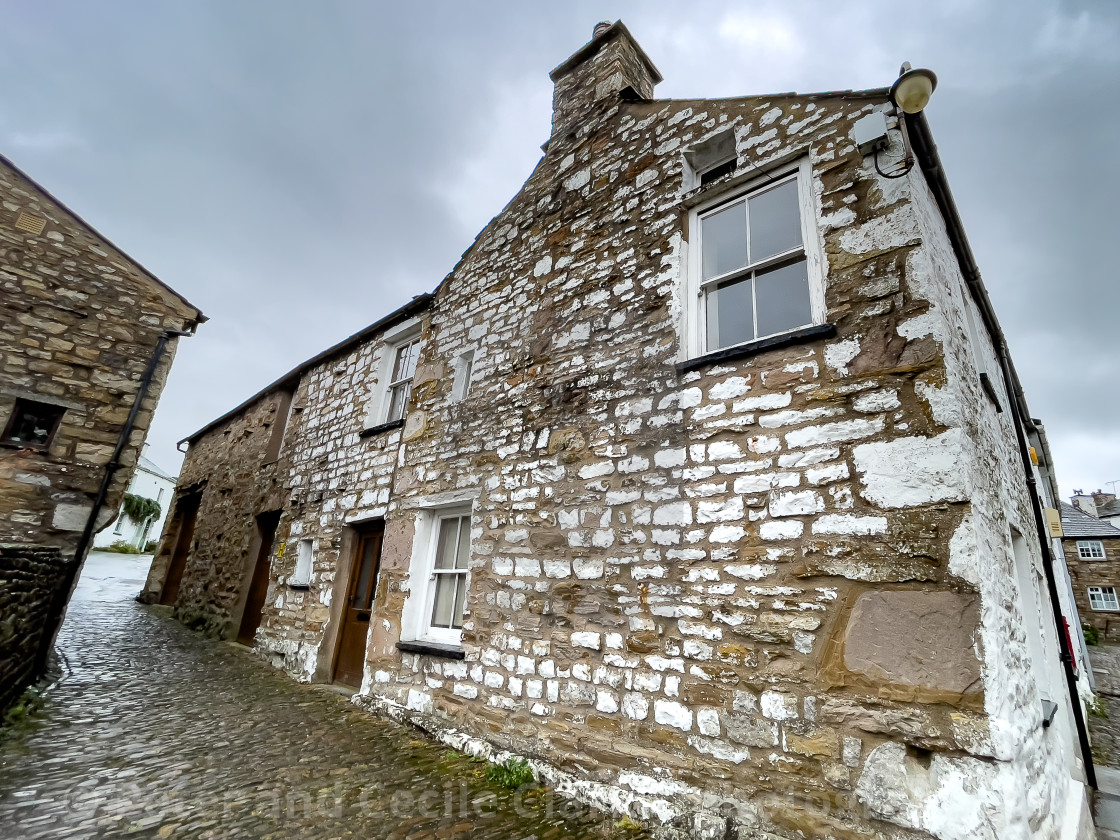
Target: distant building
(1092, 550)
(87, 337)
(1100, 505)
(703, 480)
(148, 482)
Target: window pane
(464, 552)
(724, 238)
(445, 547)
(460, 601)
(33, 422)
(775, 221)
(398, 400)
(444, 600)
(405, 364)
(782, 296)
(730, 315)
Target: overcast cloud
(298, 169)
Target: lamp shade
(912, 90)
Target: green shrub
(1097, 707)
(150, 546)
(140, 508)
(513, 774)
(1092, 634)
(122, 547)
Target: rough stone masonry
(79, 325)
(786, 586)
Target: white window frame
(1100, 596)
(305, 560)
(463, 367)
(416, 619)
(377, 411)
(1090, 546)
(694, 327)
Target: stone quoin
(696, 482)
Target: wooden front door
(258, 587)
(186, 513)
(350, 660)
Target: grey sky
(298, 169)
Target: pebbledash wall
(795, 587)
(80, 323)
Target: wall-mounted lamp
(913, 88)
(909, 94)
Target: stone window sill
(753, 348)
(432, 649)
(383, 427)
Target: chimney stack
(610, 62)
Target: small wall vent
(31, 224)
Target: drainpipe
(62, 596)
(928, 159)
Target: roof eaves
(199, 318)
(292, 377)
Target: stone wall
(30, 580)
(1086, 573)
(237, 483)
(79, 322)
(798, 587)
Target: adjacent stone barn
(703, 480)
(1092, 549)
(87, 337)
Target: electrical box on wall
(870, 133)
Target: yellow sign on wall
(1054, 523)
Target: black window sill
(990, 390)
(432, 649)
(304, 586)
(384, 427)
(753, 348)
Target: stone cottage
(87, 337)
(703, 480)
(1092, 553)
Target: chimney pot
(601, 27)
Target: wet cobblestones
(158, 732)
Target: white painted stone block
(671, 713)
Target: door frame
(344, 567)
(237, 615)
(188, 505)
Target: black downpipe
(926, 152)
(62, 596)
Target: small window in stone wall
(1103, 598)
(1090, 549)
(464, 368)
(32, 424)
(304, 554)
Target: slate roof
(148, 466)
(1077, 523)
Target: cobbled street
(155, 731)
